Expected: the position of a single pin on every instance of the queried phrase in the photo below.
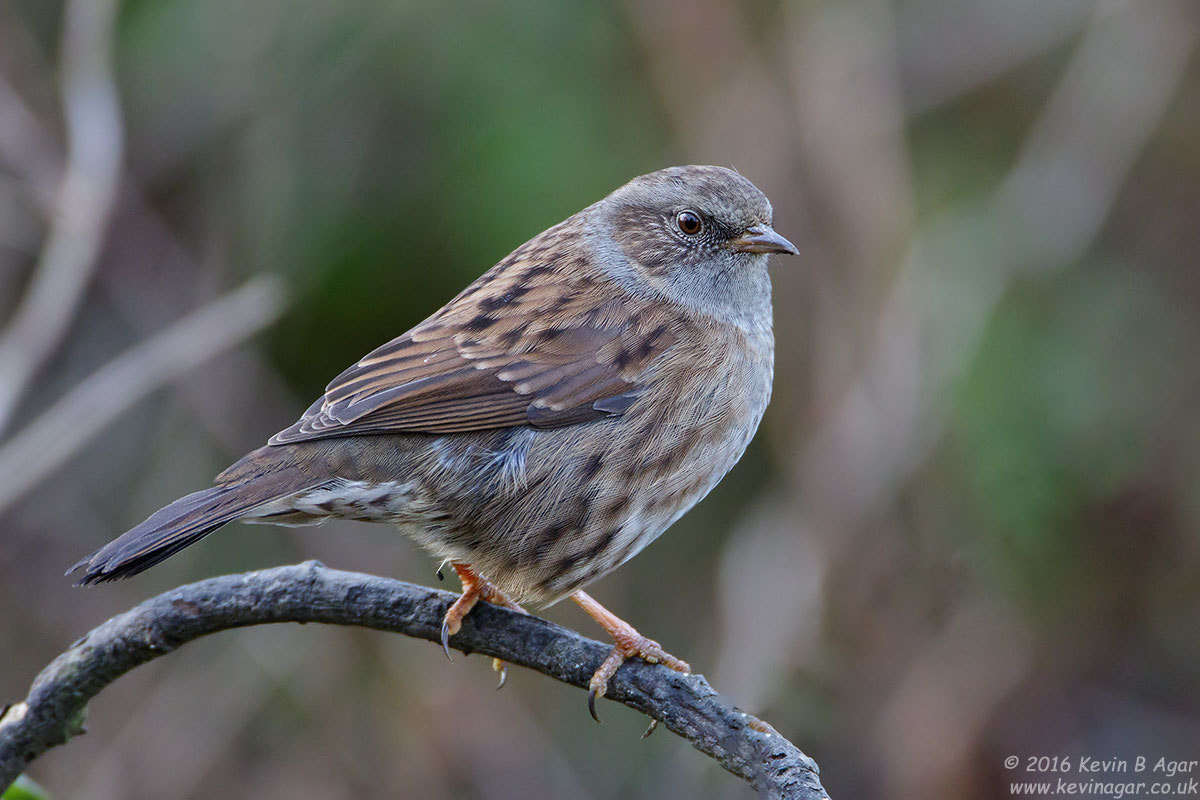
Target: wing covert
(526, 344)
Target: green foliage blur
(24, 789)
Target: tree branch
(54, 710)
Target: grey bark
(53, 711)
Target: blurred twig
(54, 710)
(999, 38)
(1044, 215)
(83, 204)
(41, 447)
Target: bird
(548, 422)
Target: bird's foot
(626, 642)
(475, 588)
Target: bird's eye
(689, 222)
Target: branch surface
(53, 711)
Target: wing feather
(529, 343)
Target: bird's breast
(542, 512)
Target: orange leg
(475, 588)
(626, 642)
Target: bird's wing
(529, 343)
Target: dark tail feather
(183, 523)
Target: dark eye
(689, 222)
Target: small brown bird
(547, 423)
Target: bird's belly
(593, 496)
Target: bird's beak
(762, 239)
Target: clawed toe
(475, 588)
(627, 642)
(452, 622)
(624, 648)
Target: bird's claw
(475, 588)
(592, 702)
(627, 642)
(446, 638)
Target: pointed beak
(762, 239)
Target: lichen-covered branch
(53, 711)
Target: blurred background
(969, 527)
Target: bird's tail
(184, 522)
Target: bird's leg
(475, 588)
(626, 642)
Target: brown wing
(529, 343)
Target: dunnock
(546, 424)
